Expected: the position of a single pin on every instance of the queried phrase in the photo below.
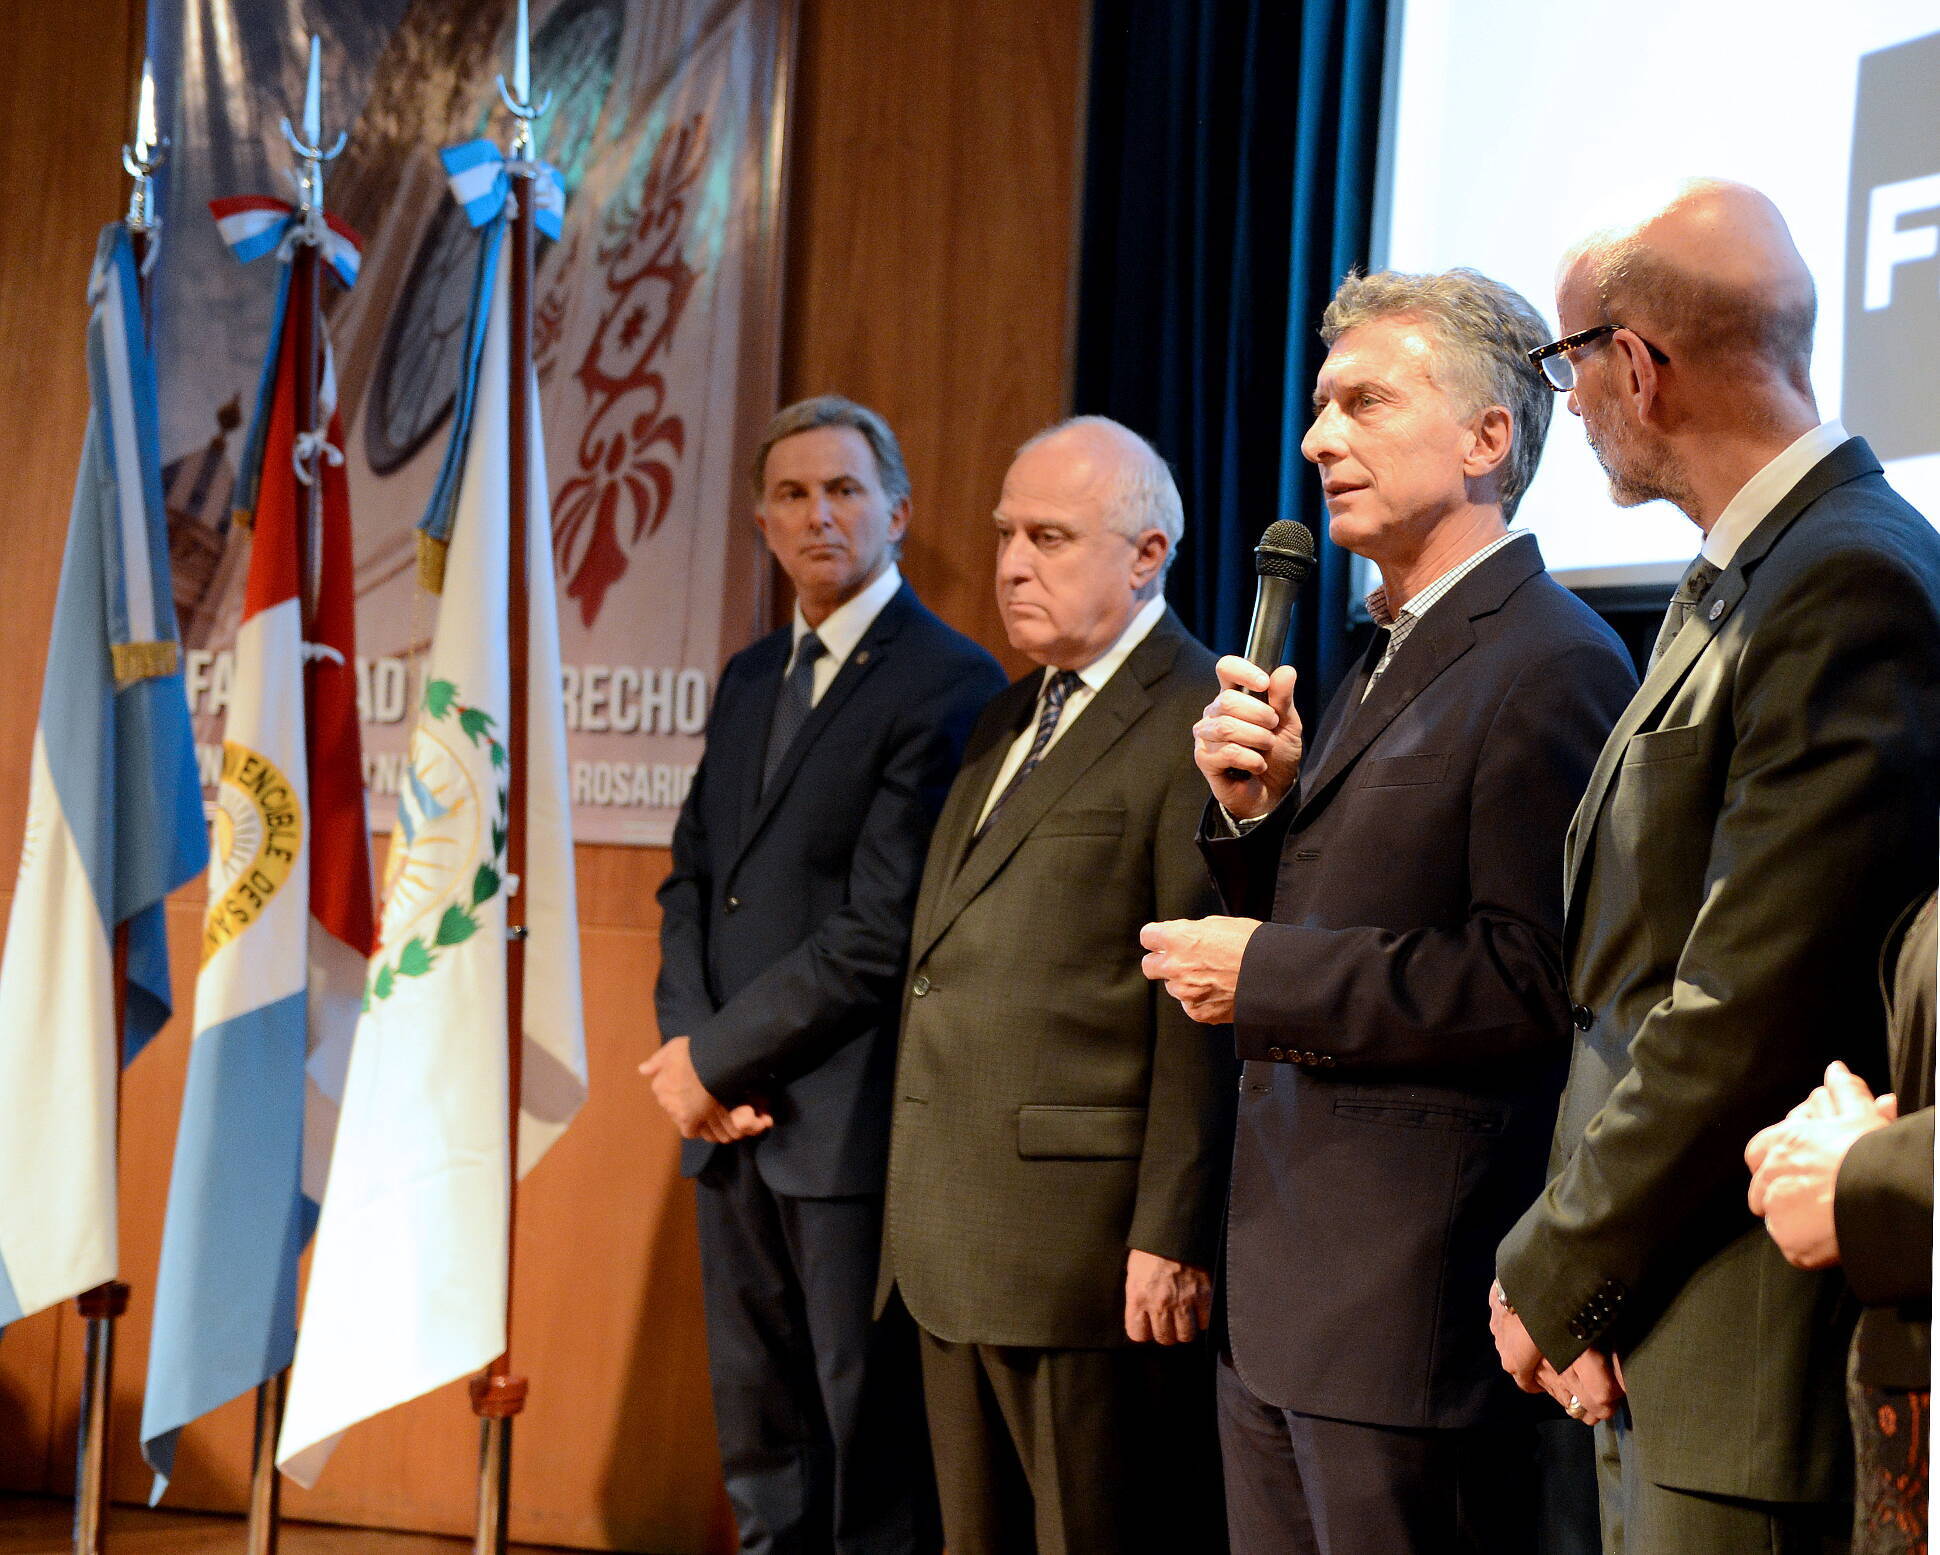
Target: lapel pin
(862, 656)
(1717, 609)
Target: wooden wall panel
(933, 243)
(932, 201)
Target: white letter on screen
(1888, 244)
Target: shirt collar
(845, 624)
(1418, 605)
(1101, 669)
(1765, 490)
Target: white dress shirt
(843, 629)
(1091, 678)
(1765, 490)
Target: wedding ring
(1575, 1408)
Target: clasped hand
(691, 1106)
(1589, 1388)
(1795, 1164)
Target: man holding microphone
(1391, 965)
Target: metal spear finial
(309, 146)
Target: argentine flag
(290, 921)
(407, 1284)
(114, 823)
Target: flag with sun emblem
(407, 1286)
(289, 924)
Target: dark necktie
(793, 705)
(1062, 685)
(1697, 582)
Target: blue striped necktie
(793, 705)
(1061, 686)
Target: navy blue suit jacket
(1402, 1010)
(785, 921)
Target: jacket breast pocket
(1404, 771)
(1676, 744)
(1068, 1133)
(1081, 823)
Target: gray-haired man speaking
(1391, 970)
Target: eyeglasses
(1559, 372)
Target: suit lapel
(1100, 726)
(768, 663)
(1439, 638)
(1435, 643)
(1850, 460)
(1009, 716)
(866, 659)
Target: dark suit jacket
(1053, 1108)
(1763, 810)
(786, 918)
(1402, 1013)
(1882, 1203)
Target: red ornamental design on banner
(631, 443)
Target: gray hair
(1704, 315)
(832, 410)
(1486, 331)
(1139, 491)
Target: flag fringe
(145, 661)
(431, 562)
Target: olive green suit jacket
(1758, 817)
(1053, 1108)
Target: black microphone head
(1286, 550)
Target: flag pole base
(265, 1484)
(495, 1400)
(100, 1307)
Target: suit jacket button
(1581, 1017)
(1327, 1062)
(921, 986)
(733, 903)
(1276, 1053)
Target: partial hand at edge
(1248, 744)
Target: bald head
(1099, 460)
(1712, 276)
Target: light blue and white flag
(114, 823)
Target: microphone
(1283, 560)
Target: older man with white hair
(1058, 1148)
(1763, 810)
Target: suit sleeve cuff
(1882, 1210)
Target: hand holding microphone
(1248, 744)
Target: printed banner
(655, 319)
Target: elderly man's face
(1388, 438)
(1066, 581)
(1640, 469)
(826, 517)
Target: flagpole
(499, 1394)
(303, 317)
(100, 1307)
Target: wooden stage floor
(35, 1526)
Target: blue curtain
(1229, 184)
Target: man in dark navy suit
(786, 924)
(1391, 966)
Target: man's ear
(1490, 440)
(1148, 562)
(1638, 379)
(899, 521)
